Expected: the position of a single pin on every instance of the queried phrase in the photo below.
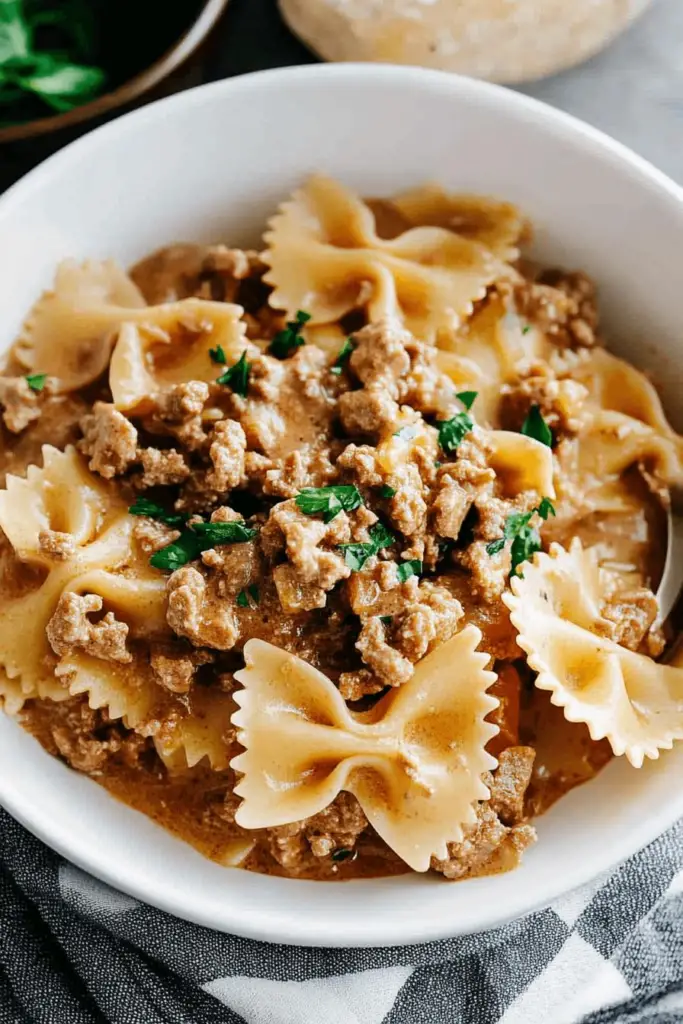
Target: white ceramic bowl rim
(275, 917)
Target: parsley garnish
(467, 398)
(245, 598)
(525, 539)
(406, 433)
(356, 555)
(200, 537)
(387, 491)
(329, 500)
(407, 569)
(285, 341)
(526, 328)
(56, 76)
(343, 357)
(386, 619)
(452, 432)
(218, 355)
(535, 426)
(144, 507)
(344, 854)
(237, 377)
(36, 381)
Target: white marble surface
(633, 90)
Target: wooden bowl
(142, 84)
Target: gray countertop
(633, 90)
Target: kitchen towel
(74, 951)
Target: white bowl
(212, 164)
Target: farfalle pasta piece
(98, 557)
(185, 728)
(170, 345)
(326, 257)
(486, 353)
(496, 225)
(633, 701)
(68, 333)
(521, 463)
(414, 762)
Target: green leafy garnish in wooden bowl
(45, 46)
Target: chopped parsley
(249, 596)
(218, 355)
(467, 398)
(386, 619)
(343, 357)
(452, 432)
(329, 500)
(536, 427)
(237, 376)
(200, 537)
(356, 555)
(144, 507)
(289, 339)
(387, 492)
(525, 538)
(437, 464)
(406, 433)
(36, 381)
(526, 328)
(344, 854)
(407, 569)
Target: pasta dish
(337, 558)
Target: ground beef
(91, 742)
(510, 782)
(561, 402)
(54, 544)
(174, 666)
(152, 535)
(109, 439)
(226, 451)
(178, 414)
(197, 611)
(70, 629)
(337, 827)
(21, 405)
(631, 616)
(489, 846)
(162, 468)
(563, 305)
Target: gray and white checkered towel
(74, 951)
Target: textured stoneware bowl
(212, 164)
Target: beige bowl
(499, 41)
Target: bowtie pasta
(337, 558)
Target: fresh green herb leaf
(525, 538)
(407, 569)
(452, 432)
(387, 492)
(285, 341)
(467, 398)
(356, 555)
(526, 328)
(183, 550)
(144, 507)
(237, 377)
(437, 464)
(15, 33)
(406, 433)
(218, 355)
(343, 357)
(213, 534)
(386, 619)
(61, 84)
(247, 597)
(344, 854)
(546, 509)
(36, 381)
(329, 500)
(200, 537)
(535, 426)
